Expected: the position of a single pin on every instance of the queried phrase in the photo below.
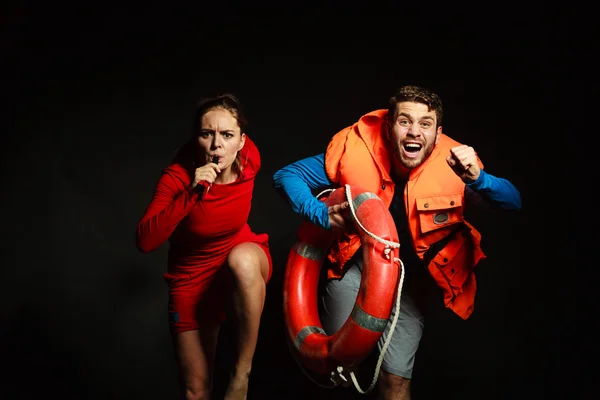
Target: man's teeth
(412, 145)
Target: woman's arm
(171, 202)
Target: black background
(99, 95)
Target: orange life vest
(434, 197)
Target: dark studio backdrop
(98, 99)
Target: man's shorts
(337, 301)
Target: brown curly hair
(418, 95)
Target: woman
(216, 264)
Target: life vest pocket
(453, 263)
(457, 260)
(437, 212)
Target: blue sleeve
(496, 191)
(296, 182)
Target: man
(428, 180)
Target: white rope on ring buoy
(324, 191)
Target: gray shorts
(337, 301)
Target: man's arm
(296, 182)
(495, 192)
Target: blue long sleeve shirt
(298, 183)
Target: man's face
(414, 133)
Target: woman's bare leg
(250, 268)
(195, 351)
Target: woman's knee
(197, 388)
(246, 262)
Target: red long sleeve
(167, 208)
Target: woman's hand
(207, 173)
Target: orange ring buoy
(356, 338)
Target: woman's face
(220, 138)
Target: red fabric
(202, 228)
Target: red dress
(201, 228)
